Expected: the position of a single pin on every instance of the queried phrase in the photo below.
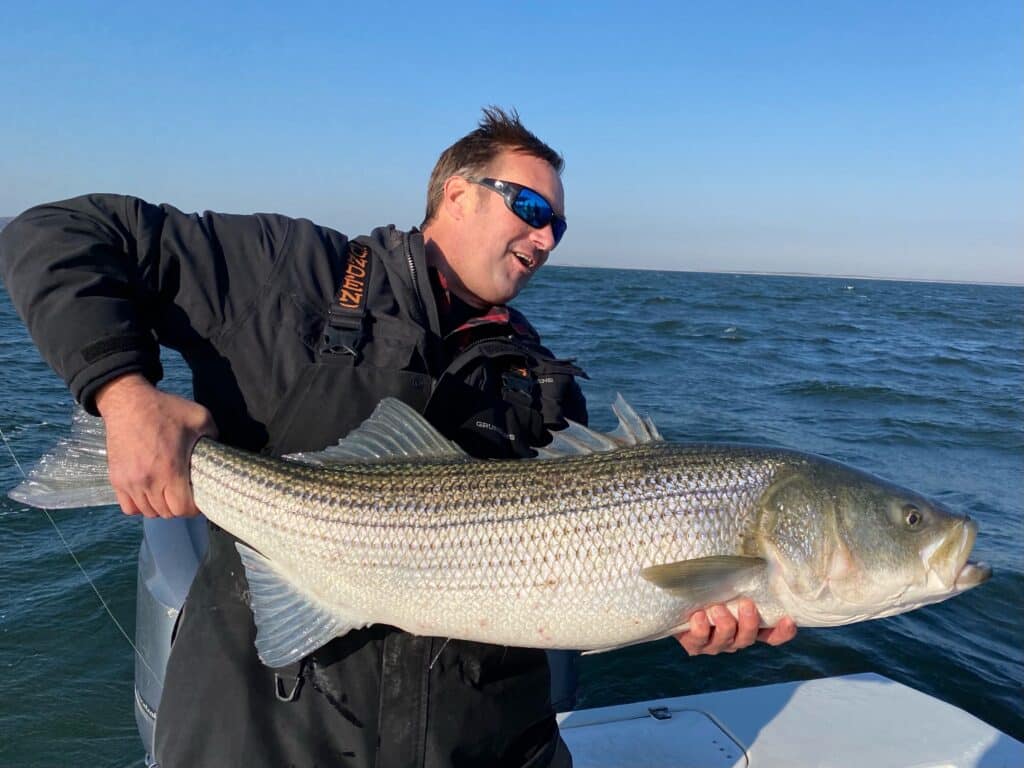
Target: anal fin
(290, 623)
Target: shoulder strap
(344, 330)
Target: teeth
(524, 259)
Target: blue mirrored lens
(535, 211)
(532, 208)
(558, 226)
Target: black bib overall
(377, 696)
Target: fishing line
(438, 654)
(71, 552)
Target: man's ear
(456, 197)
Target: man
(294, 332)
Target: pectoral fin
(290, 624)
(707, 580)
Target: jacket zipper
(412, 273)
(433, 365)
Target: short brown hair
(469, 156)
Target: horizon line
(768, 273)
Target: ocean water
(921, 383)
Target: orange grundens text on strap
(353, 286)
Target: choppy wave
(872, 393)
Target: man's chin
(515, 287)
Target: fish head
(847, 546)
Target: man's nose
(543, 238)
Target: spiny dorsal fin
(633, 428)
(393, 432)
(577, 440)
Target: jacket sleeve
(102, 280)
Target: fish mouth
(949, 560)
(971, 575)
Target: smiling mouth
(527, 261)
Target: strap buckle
(280, 689)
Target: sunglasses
(528, 205)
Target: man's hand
(728, 635)
(150, 437)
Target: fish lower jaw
(838, 612)
(933, 590)
(827, 608)
(825, 614)
(946, 559)
(947, 582)
(971, 575)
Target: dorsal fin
(393, 432)
(577, 440)
(633, 428)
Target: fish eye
(912, 515)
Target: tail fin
(73, 473)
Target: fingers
(781, 633)
(716, 630)
(178, 498)
(168, 503)
(705, 638)
(127, 504)
(748, 626)
(166, 495)
(723, 636)
(696, 638)
(142, 501)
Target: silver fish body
(565, 552)
(534, 553)
(603, 544)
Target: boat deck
(856, 721)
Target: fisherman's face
(499, 251)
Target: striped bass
(600, 542)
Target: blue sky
(872, 138)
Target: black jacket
(101, 281)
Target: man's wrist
(118, 390)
